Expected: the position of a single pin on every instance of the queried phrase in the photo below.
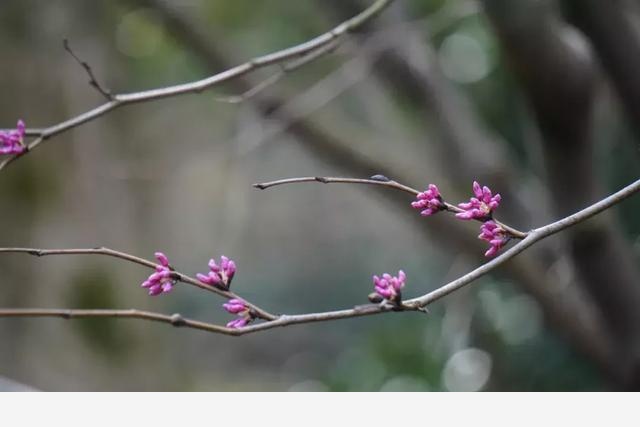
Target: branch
(377, 180)
(415, 304)
(136, 260)
(119, 100)
(284, 70)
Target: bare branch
(198, 86)
(92, 78)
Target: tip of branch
(259, 186)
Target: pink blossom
(221, 275)
(235, 306)
(240, 308)
(162, 281)
(495, 235)
(12, 142)
(389, 287)
(430, 201)
(481, 206)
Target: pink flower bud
(235, 306)
(162, 259)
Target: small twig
(376, 180)
(92, 78)
(175, 319)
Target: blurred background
(538, 99)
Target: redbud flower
(221, 275)
(495, 235)
(12, 142)
(481, 206)
(429, 201)
(162, 281)
(239, 307)
(389, 287)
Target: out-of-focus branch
(119, 100)
(612, 28)
(558, 73)
(415, 304)
(409, 65)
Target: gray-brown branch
(118, 100)
(415, 304)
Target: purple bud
(155, 290)
(477, 190)
(162, 259)
(224, 262)
(21, 128)
(235, 306)
(213, 266)
(204, 278)
(231, 270)
(155, 277)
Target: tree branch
(377, 180)
(181, 277)
(119, 100)
(415, 304)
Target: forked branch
(272, 321)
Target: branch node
(177, 320)
(321, 179)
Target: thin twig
(376, 180)
(92, 78)
(119, 100)
(175, 319)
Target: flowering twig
(415, 304)
(178, 276)
(377, 180)
(279, 57)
